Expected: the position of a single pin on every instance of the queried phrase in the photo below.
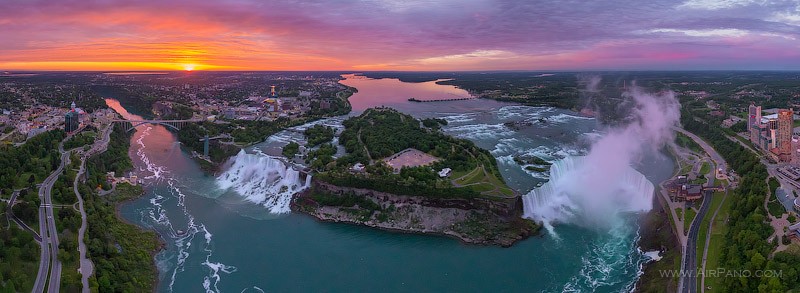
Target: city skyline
(400, 35)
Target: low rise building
(794, 231)
(691, 192)
(358, 168)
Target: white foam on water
(211, 281)
(254, 288)
(524, 112)
(653, 255)
(459, 118)
(156, 215)
(263, 180)
(565, 118)
(480, 131)
(610, 261)
(156, 172)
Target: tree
(290, 150)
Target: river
(220, 241)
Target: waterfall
(263, 180)
(589, 194)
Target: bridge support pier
(205, 146)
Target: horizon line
(7, 72)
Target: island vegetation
(290, 150)
(380, 133)
(471, 201)
(318, 134)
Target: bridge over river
(173, 124)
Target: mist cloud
(594, 189)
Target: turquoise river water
(236, 237)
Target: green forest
(31, 162)
(746, 247)
(122, 253)
(22, 168)
(318, 134)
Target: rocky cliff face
(477, 221)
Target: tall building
(772, 131)
(754, 123)
(784, 133)
(71, 121)
(753, 117)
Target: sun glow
(188, 67)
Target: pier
(440, 100)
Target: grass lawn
(473, 176)
(705, 168)
(687, 142)
(718, 230)
(776, 209)
(485, 183)
(679, 212)
(482, 187)
(687, 221)
(716, 200)
(686, 167)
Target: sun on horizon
(189, 67)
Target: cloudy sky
(399, 35)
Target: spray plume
(594, 189)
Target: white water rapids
(263, 180)
(569, 198)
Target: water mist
(594, 189)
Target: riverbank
(126, 195)
(122, 252)
(478, 221)
(657, 235)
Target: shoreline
(162, 244)
(482, 222)
(650, 224)
(421, 233)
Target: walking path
(86, 267)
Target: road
(49, 233)
(20, 223)
(689, 264)
(707, 148)
(688, 280)
(86, 265)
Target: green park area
(374, 137)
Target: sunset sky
(399, 35)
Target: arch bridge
(171, 124)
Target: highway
(689, 265)
(689, 274)
(49, 233)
